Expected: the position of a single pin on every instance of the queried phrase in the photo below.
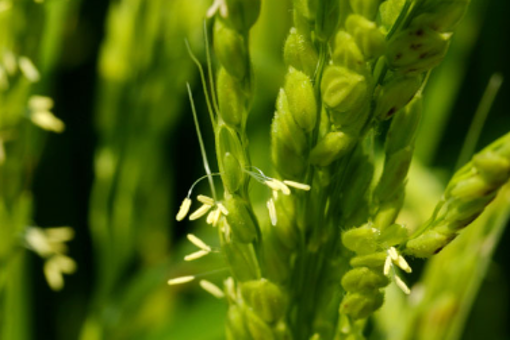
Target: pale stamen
(28, 69)
(402, 285)
(10, 63)
(230, 287)
(210, 217)
(272, 211)
(387, 266)
(222, 208)
(198, 242)
(402, 263)
(392, 252)
(297, 185)
(196, 255)
(277, 185)
(184, 209)
(212, 289)
(218, 5)
(204, 209)
(226, 230)
(216, 217)
(40, 103)
(180, 280)
(205, 199)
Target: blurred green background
(129, 155)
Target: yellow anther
(28, 69)
(218, 5)
(272, 185)
(54, 267)
(204, 209)
(216, 217)
(59, 234)
(402, 285)
(226, 230)
(210, 217)
(180, 280)
(212, 289)
(387, 266)
(198, 242)
(196, 255)
(40, 103)
(277, 185)
(272, 211)
(392, 252)
(275, 194)
(205, 199)
(222, 208)
(47, 121)
(9, 61)
(184, 209)
(230, 287)
(402, 263)
(297, 185)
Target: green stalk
(201, 142)
(478, 122)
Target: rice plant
(27, 60)
(317, 268)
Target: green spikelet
(301, 99)
(416, 50)
(465, 198)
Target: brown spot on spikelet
(423, 55)
(391, 112)
(416, 47)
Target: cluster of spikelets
(17, 107)
(318, 268)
